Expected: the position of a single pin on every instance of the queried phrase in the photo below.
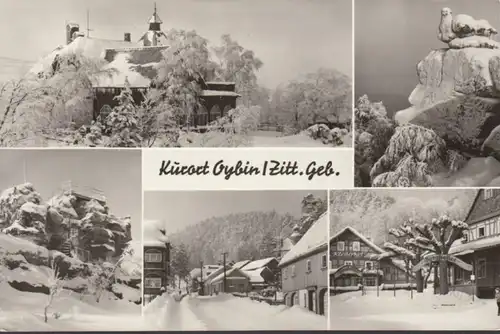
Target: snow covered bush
(413, 155)
(122, 122)
(55, 284)
(373, 131)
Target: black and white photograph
(235, 260)
(427, 93)
(70, 240)
(415, 259)
(176, 73)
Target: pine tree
(123, 121)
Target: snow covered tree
(437, 238)
(373, 130)
(186, 63)
(180, 262)
(268, 245)
(122, 122)
(413, 155)
(408, 252)
(239, 65)
(55, 284)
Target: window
(466, 236)
(202, 117)
(323, 261)
(481, 268)
(308, 266)
(370, 281)
(480, 232)
(368, 265)
(348, 263)
(293, 271)
(340, 246)
(152, 282)
(356, 247)
(153, 257)
(488, 193)
(285, 273)
(215, 113)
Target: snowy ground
(455, 311)
(226, 312)
(23, 311)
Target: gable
(484, 208)
(348, 236)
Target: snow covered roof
(207, 270)
(315, 238)
(137, 65)
(155, 18)
(367, 241)
(208, 92)
(257, 264)
(220, 277)
(152, 235)
(214, 274)
(474, 245)
(92, 48)
(398, 263)
(255, 275)
(154, 38)
(241, 264)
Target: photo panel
(426, 93)
(70, 240)
(235, 260)
(414, 259)
(177, 73)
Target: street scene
(259, 263)
(70, 240)
(414, 259)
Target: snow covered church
(138, 63)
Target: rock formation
(83, 225)
(457, 97)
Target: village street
(226, 312)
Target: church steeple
(155, 21)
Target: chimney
(127, 37)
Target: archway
(215, 113)
(322, 302)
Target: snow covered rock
(474, 42)
(464, 25)
(464, 122)
(477, 172)
(64, 204)
(445, 72)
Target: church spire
(155, 21)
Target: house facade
(135, 62)
(236, 280)
(480, 247)
(156, 264)
(352, 264)
(304, 270)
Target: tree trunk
(443, 277)
(436, 279)
(419, 278)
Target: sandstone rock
(466, 26)
(474, 42)
(463, 122)
(446, 72)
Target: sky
(291, 37)
(117, 173)
(392, 36)
(181, 209)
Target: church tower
(155, 21)
(154, 35)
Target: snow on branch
(400, 250)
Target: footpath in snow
(226, 312)
(426, 311)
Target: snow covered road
(226, 312)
